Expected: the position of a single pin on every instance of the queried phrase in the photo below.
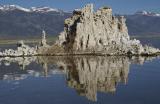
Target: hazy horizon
(117, 6)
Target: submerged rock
(89, 32)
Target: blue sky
(118, 6)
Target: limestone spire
(43, 41)
(89, 32)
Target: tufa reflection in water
(87, 75)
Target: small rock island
(89, 33)
(101, 33)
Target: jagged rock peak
(44, 41)
(97, 32)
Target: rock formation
(43, 46)
(89, 32)
(22, 50)
(44, 41)
(25, 50)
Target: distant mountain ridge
(19, 21)
(32, 9)
(143, 23)
(147, 13)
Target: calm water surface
(80, 80)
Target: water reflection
(87, 75)
(90, 75)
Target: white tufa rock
(25, 50)
(22, 50)
(98, 32)
(44, 41)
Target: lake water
(154, 41)
(80, 80)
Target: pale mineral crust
(26, 50)
(22, 50)
(89, 32)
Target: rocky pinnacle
(89, 32)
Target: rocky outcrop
(44, 41)
(89, 32)
(22, 50)
(43, 46)
(25, 50)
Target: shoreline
(87, 54)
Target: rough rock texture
(44, 41)
(22, 50)
(43, 46)
(25, 50)
(89, 32)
